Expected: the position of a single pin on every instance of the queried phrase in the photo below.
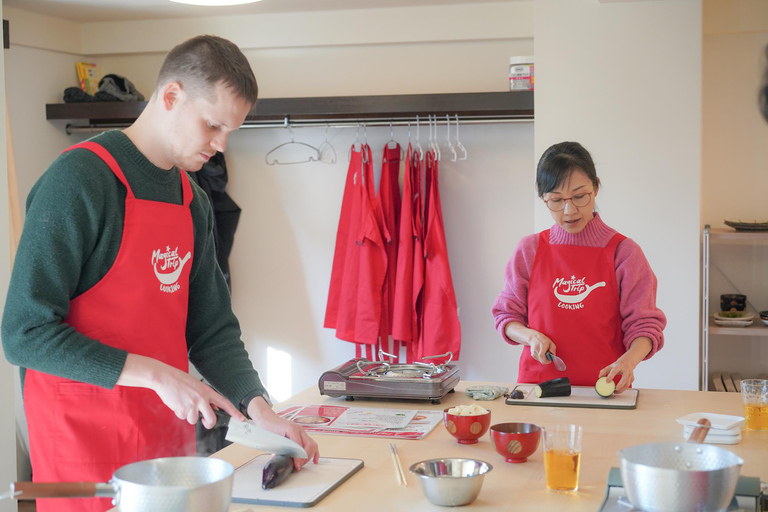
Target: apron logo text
(571, 292)
(168, 266)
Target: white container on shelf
(521, 73)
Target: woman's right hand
(540, 344)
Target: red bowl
(515, 441)
(467, 429)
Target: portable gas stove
(361, 378)
(748, 498)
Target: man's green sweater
(71, 237)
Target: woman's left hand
(626, 364)
(622, 366)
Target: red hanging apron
(441, 331)
(349, 220)
(81, 432)
(389, 202)
(573, 299)
(365, 266)
(410, 259)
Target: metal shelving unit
(708, 326)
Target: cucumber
(555, 387)
(605, 388)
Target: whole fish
(276, 471)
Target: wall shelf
(482, 106)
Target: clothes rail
(314, 123)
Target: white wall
(284, 245)
(734, 135)
(7, 374)
(624, 79)
(733, 177)
(283, 250)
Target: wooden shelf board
(517, 104)
(727, 235)
(757, 328)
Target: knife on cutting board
(248, 434)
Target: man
(115, 287)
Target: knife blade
(559, 364)
(248, 434)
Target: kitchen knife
(559, 364)
(248, 434)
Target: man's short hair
(200, 63)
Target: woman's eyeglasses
(579, 200)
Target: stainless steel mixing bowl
(451, 482)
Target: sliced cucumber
(555, 387)
(604, 387)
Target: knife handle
(550, 356)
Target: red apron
(441, 331)
(349, 220)
(359, 311)
(573, 299)
(81, 432)
(410, 259)
(389, 202)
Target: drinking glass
(754, 394)
(562, 457)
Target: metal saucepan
(172, 484)
(680, 477)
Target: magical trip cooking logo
(168, 266)
(571, 292)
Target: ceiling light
(215, 2)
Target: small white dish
(742, 315)
(714, 436)
(718, 421)
(764, 321)
(732, 322)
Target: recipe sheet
(360, 421)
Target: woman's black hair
(559, 162)
(763, 98)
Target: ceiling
(122, 10)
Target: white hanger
(314, 156)
(458, 142)
(327, 149)
(357, 141)
(420, 152)
(433, 144)
(454, 155)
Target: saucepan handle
(34, 490)
(700, 432)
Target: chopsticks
(398, 466)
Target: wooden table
(511, 486)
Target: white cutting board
(301, 489)
(581, 396)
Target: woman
(579, 290)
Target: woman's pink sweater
(634, 277)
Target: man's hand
(262, 415)
(186, 396)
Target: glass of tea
(754, 394)
(562, 457)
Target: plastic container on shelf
(521, 73)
